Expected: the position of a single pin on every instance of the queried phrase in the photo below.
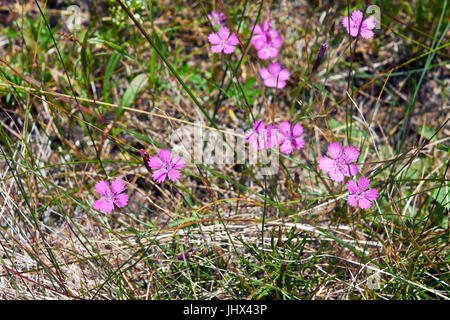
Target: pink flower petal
(258, 126)
(275, 68)
(352, 200)
(283, 75)
(357, 17)
(272, 136)
(174, 175)
(264, 73)
(259, 41)
(159, 175)
(335, 150)
(363, 183)
(251, 136)
(346, 22)
(117, 186)
(271, 129)
(349, 170)
(228, 49)
(353, 170)
(254, 142)
(263, 140)
(155, 162)
(165, 155)
(369, 23)
(102, 187)
(281, 84)
(298, 143)
(178, 162)
(271, 82)
(352, 187)
(233, 40)
(336, 175)
(267, 52)
(275, 40)
(326, 164)
(121, 200)
(224, 33)
(266, 26)
(213, 38)
(297, 130)
(286, 147)
(354, 31)
(218, 48)
(371, 194)
(103, 205)
(285, 128)
(351, 154)
(216, 17)
(367, 34)
(257, 30)
(364, 203)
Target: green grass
(77, 106)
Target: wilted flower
(145, 158)
(320, 55)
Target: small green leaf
(112, 46)
(426, 132)
(443, 147)
(112, 63)
(139, 82)
(441, 195)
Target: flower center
(109, 196)
(340, 163)
(355, 25)
(168, 166)
(290, 136)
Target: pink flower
(274, 77)
(352, 25)
(261, 138)
(259, 35)
(339, 164)
(111, 196)
(359, 195)
(266, 41)
(222, 41)
(289, 137)
(165, 166)
(216, 18)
